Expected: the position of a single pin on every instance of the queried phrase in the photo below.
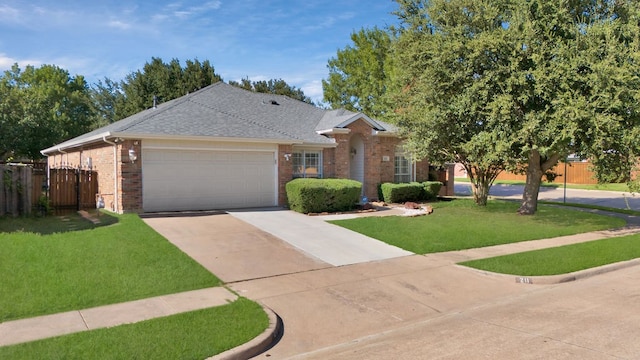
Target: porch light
(132, 155)
(353, 152)
(287, 156)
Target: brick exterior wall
(285, 172)
(128, 175)
(336, 164)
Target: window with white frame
(402, 166)
(307, 164)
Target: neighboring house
(224, 147)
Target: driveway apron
(231, 248)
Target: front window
(307, 164)
(402, 166)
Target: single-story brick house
(224, 147)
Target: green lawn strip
(43, 271)
(193, 335)
(622, 187)
(563, 259)
(460, 224)
(593, 207)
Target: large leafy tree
(358, 74)
(579, 71)
(273, 86)
(163, 82)
(40, 107)
(513, 83)
(452, 60)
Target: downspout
(115, 173)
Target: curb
(561, 278)
(257, 345)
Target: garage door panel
(203, 180)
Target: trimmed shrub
(398, 193)
(323, 195)
(431, 189)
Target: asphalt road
(613, 199)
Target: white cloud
(313, 89)
(9, 12)
(178, 11)
(7, 62)
(119, 24)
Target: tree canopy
(358, 74)
(163, 82)
(508, 84)
(273, 86)
(40, 107)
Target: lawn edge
(261, 343)
(560, 278)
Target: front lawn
(563, 259)
(460, 224)
(193, 335)
(48, 265)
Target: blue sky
(258, 39)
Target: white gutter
(334, 131)
(115, 173)
(383, 133)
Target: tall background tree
(40, 107)
(358, 74)
(162, 81)
(273, 86)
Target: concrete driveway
(412, 307)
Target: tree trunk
(481, 181)
(529, 204)
(480, 192)
(535, 169)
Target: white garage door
(176, 180)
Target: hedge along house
(223, 147)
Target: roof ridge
(245, 120)
(155, 111)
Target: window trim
(410, 165)
(302, 153)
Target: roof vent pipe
(155, 100)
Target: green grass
(460, 224)
(193, 335)
(622, 187)
(564, 259)
(48, 265)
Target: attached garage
(208, 178)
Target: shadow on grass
(54, 223)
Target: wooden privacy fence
(18, 190)
(577, 173)
(72, 189)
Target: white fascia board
(333, 131)
(75, 143)
(383, 133)
(357, 116)
(124, 136)
(205, 138)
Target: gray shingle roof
(225, 111)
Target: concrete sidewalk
(41, 327)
